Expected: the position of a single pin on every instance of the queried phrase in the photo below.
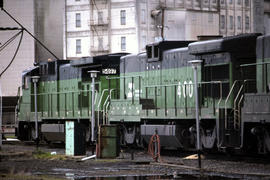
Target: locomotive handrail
(106, 114)
(101, 97)
(225, 105)
(239, 111)
(106, 101)
(254, 64)
(67, 92)
(169, 85)
(237, 96)
(175, 85)
(121, 77)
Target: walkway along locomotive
(153, 92)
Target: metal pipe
(35, 80)
(98, 107)
(93, 76)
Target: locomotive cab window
(153, 52)
(25, 82)
(149, 51)
(218, 72)
(156, 51)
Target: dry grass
(48, 156)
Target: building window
(143, 42)
(78, 46)
(123, 17)
(239, 2)
(247, 23)
(239, 22)
(77, 0)
(230, 1)
(221, 1)
(231, 22)
(222, 21)
(78, 19)
(100, 43)
(246, 2)
(100, 17)
(123, 43)
(143, 16)
(210, 17)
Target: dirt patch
(24, 160)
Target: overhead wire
(9, 41)
(15, 54)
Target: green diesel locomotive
(153, 93)
(64, 93)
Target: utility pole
(195, 64)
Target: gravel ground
(19, 161)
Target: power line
(21, 32)
(29, 33)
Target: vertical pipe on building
(109, 25)
(234, 18)
(65, 31)
(226, 19)
(138, 23)
(250, 14)
(147, 21)
(242, 8)
(162, 23)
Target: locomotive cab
(223, 86)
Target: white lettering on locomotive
(185, 89)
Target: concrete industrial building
(96, 27)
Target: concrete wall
(266, 16)
(49, 24)
(23, 11)
(200, 23)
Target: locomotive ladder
(228, 120)
(235, 122)
(237, 103)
